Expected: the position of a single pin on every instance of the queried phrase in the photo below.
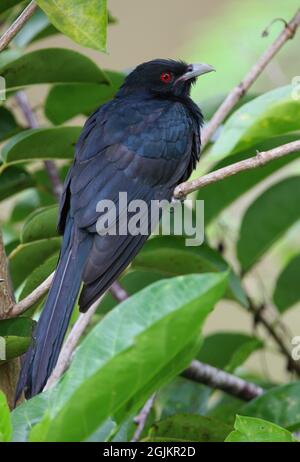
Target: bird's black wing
(141, 148)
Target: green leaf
(32, 29)
(41, 143)
(8, 124)
(252, 430)
(69, 100)
(228, 350)
(188, 428)
(280, 405)
(267, 219)
(170, 256)
(51, 65)
(6, 4)
(219, 195)
(17, 334)
(131, 353)
(41, 224)
(14, 180)
(183, 396)
(5, 421)
(26, 257)
(82, 21)
(268, 115)
(225, 408)
(286, 293)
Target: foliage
(140, 346)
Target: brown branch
(19, 308)
(221, 380)
(9, 370)
(235, 95)
(141, 418)
(50, 167)
(17, 25)
(259, 160)
(71, 342)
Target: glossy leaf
(84, 22)
(51, 65)
(17, 334)
(221, 194)
(252, 430)
(286, 292)
(41, 224)
(170, 256)
(280, 405)
(42, 143)
(130, 362)
(14, 180)
(8, 124)
(188, 428)
(267, 219)
(228, 350)
(69, 100)
(5, 421)
(26, 257)
(268, 115)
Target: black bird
(143, 142)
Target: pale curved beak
(195, 70)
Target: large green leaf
(140, 345)
(268, 115)
(267, 219)
(286, 292)
(14, 180)
(5, 421)
(51, 65)
(41, 224)
(26, 257)
(8, 124)
(84, 22)
(68, 100)
(17, 334)
(228, 350)
(170, 256)
(280, 405)
(219, 195)
(252, 430)
(41, 143)
(188, 428)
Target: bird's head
(164, 77)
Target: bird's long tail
(42, 356)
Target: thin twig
(141, 418)
(17, 25)
(27, 302)
(221, 380)
(118, 292)
(259, 160)
(50, 167)
(70, 344)
(235, 95)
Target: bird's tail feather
(42, 356)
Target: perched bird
(143, 142)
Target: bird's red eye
(165, 77)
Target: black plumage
(144, 142)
